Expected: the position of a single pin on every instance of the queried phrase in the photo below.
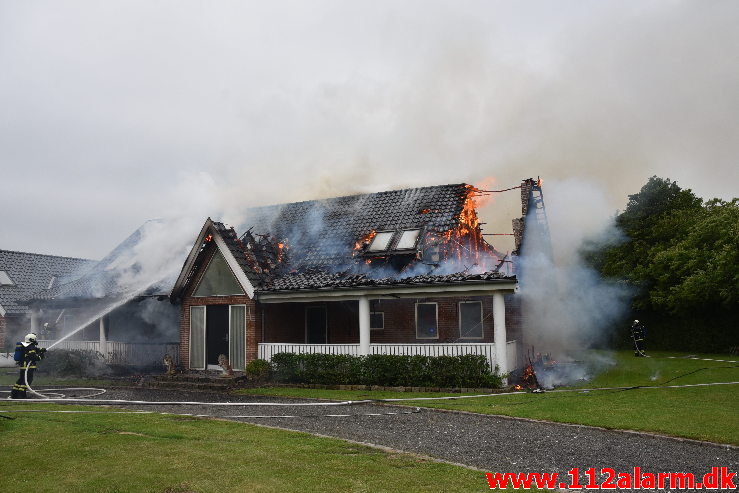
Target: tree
(681, 256)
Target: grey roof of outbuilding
(103, 278)
(33, 272)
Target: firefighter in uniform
(638, 333)
(31, 354)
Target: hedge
(470, 370)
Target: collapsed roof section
(426, 235)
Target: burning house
(397, 272)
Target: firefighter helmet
(30, 338)
(636, 322)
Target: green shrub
(258, 369)
(385, 370)
(74, 363)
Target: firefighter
(638, 333)
(30, 354)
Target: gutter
(463, 288)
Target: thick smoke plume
(567, 306)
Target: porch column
(364, 326)
(34, 320)
(501, 350)
(103, 338)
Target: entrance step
(195, 381)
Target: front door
(216, 333)
(315, 324)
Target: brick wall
(188, 300)
(285, 322)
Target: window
(408, 239)
(5, 279)
(377, 320)
(381, 241)
(426, 321)
(197, 337)
(470, 320)
(218, 279)
(237, 336)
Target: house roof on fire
(426, 235)
(22, 274)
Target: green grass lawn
(157, 453)
(702, 413)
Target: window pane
(5, 279)
(218, 279)
(197, 337)
(426, 321)
(380, 241)
(408, 239)
(377, 320)
(470, 319)
(237, 337)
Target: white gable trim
(2, 311)
(234, 265)
(236, 269)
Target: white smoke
(568, 307)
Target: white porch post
(364, 326)
(501, 353)
(34, 320)
(103, 339)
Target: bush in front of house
(257, 369)
(469, 370)
(74, 363)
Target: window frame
(383, 320)
(387, 245)
(325, 330)
(205, 272)
(205, 347)
(436, 311)
(482, 318)
(402, 232)
(10, 281)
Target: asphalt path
(489, 443)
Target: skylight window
(408, 239)
(5, 279)
(381, 241)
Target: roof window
(5, 279)
(381, 241)
(408, 239)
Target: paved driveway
(489, 443)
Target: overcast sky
(115, 112)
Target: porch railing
(124, 353)
(267, 350)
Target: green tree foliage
(681, 255)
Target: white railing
(123, 353)
(267, 350)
